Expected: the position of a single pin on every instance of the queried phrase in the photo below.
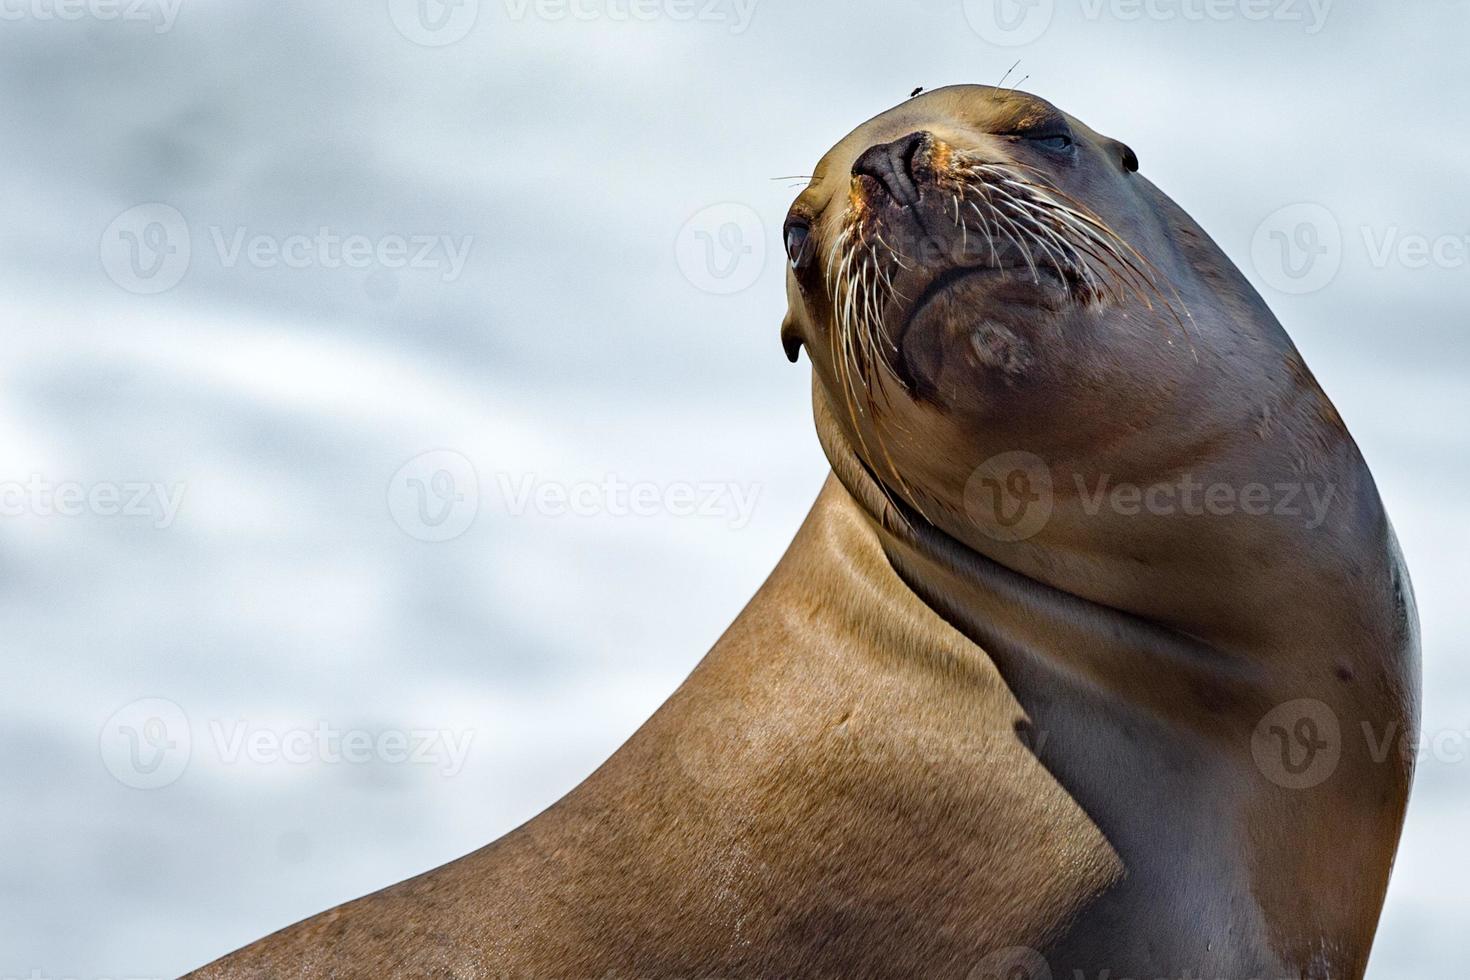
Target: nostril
(895, 166)
(910, 150)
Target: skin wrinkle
(923, 743)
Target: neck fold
(1029, 628)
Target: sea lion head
(976, 273)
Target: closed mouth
(1035, 283)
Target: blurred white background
(207, 408)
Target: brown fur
(921, 745)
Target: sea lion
(1044, 686)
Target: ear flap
(1126, 156)
(790, 341)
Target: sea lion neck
(1020, 623)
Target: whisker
(1013, 207)
(1086, 233)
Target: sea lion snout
(898, 167)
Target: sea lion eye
(798, 243)
(1052, 141)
